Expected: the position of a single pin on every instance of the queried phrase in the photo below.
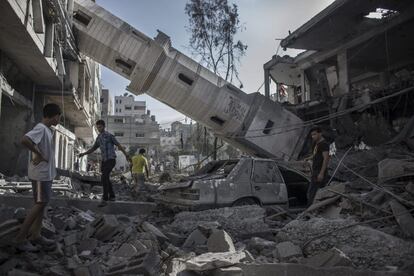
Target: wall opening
(268, 127)
(217, 120)
(82, 17)
(185, 79)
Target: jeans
(106, 169)
(314, 186)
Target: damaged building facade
(39, 64)
(356, 73)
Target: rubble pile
(365, 224)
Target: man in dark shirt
(320, 160)
(106, 142)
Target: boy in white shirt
(41, 172)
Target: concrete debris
(243, 221)
(196, 238)
(330, 258)
(362, 244)
(403, 217)
(209, 261)
(243, 240)
(285, 251)
(389, 169)
(220, 241)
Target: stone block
(220, 241)
(194, 239)
(148, 227)
(286, 250)
(105, 227)
(175, 238)
(126, 250)
(87, 245)
(146, 264)
(410, 188)
(71, 239)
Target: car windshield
(222, 167)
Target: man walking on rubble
(106, 142)
(41, 172)
(139, 166)
(320, 161)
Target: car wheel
(246, 201)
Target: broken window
(82, 17)
(268, 127)
(185, 79)
(126, 66)
(266, 172)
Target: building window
(185, 79)
(102, 100)
(119, 134)
(137, 107)
(128, 108)
(140, 135)
(119, 120)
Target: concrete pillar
(267, 83)
(0, 95)
(343, 76)
(49, 38)
(38, 20)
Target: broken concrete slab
(148, 227)
(287, 250)
(403, 217)
(389, 169)
(71, 239)
(126, 250)
(237, 221)
(286, 269)
(220, 241)
(196, 238)
(330, 258)
(87, 245)
(410, 188)
(105, 227)
(209, 261)
(228, 271)
(117, 207)
(146, 264)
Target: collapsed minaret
(250, 122)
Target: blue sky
(264, 20)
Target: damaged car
(244, 181)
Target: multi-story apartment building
(39, 63)
(107, 104)
(134, 129)
(126, 105)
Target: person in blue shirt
(106, 142)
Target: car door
(267, 183)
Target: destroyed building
(356, 73)
(360, 224)
(41, 65)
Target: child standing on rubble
(41, 172)
(139, 167)
(320, 161)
